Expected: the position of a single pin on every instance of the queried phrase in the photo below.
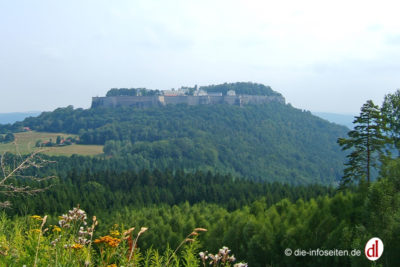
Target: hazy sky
(321, 55)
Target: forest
(207, 209)
(272, 142)
(241, 88)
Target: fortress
(179, 97)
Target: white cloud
(305, 49)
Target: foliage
(33, 241)
(241, 88)
(273, 142)
(258, 233)
(7, 138)
(153, 175)
(391, 115)
(16, 179)
(366, 142)
(107, 190)
(60, 141)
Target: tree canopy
(367, 142)
(273, 142)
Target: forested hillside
(112, 189)
(272, 142)
(202, 211)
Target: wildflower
(82, 241)
(203, 256)
(224, 251)
(35, 230)
(55, 241)
(82, 231)
(76, 246)
(240, 264)
(36, 217)
(112, 265)
(109, 240)
(73, 215)
(115, 233)
(56, 229)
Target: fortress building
(175, 97)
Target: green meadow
(25, 143)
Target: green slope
(271, 142)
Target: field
(25, 143)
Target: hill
(342, 119)
(272, 142)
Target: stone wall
(155, 101)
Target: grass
(32, 241)
(25, 143)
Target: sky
(326, 56)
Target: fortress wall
(143, 101)
(189, 100)
(154, 101)
(128, 101)
(201, 100)
(231, 100)
(97, 102)
(216, 99)
(103, 102)
(175, 100)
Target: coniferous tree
(367, 143)
(391, 114)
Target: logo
(373, 249)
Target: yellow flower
(36, 217)
(114, 233)
(112, 265)
(35, 230)
(77, 246)
(56, 228)
(109, 240)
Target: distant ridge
(13, 117)
(341, 119)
